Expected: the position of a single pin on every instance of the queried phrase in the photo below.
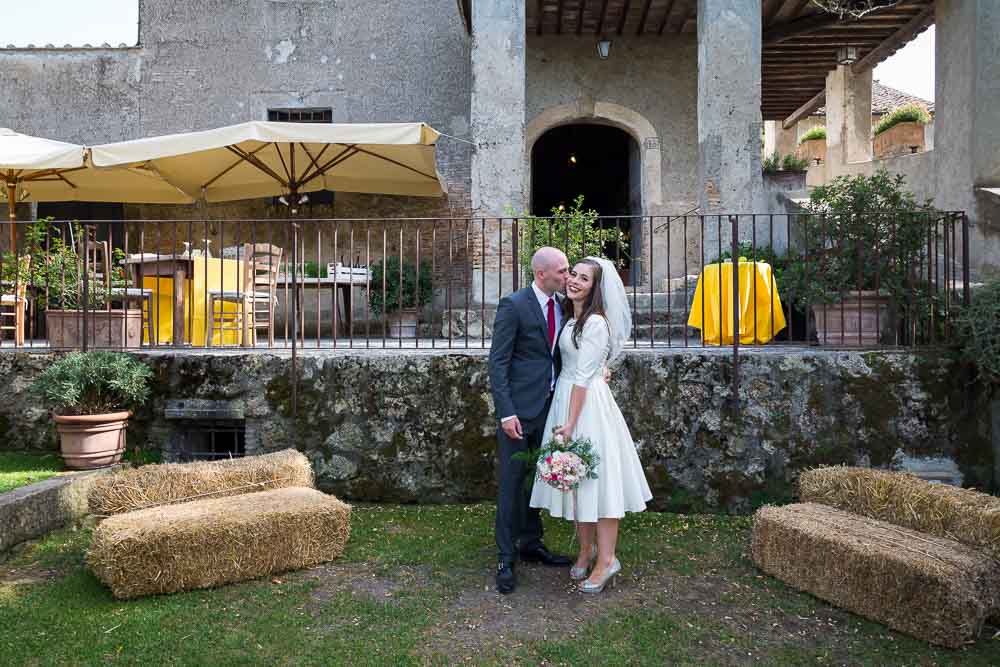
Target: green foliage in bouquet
(582, 447)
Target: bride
(598, 323)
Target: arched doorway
(603, 164)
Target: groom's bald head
(550, 267)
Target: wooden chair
(98, 261)
(14, 306)
(255, 298)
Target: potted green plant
(397, 293)
(579, 231)
(860, 242)
(812, 145)
(901, 131)
(90, 395)
(57, 275)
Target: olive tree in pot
(90, 394)
(397, 293)
(861, 245)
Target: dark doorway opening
(600, 162)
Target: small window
(301, 115)
(313, 115)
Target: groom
(524, 363)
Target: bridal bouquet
(563, 464)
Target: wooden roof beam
(642, 21)
(804, 110)
(623, 17)
(666, 16)
(905, 34)
(603, 18)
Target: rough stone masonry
(419, 426)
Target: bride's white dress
(620, 486)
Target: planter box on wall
(900, 140)
(116, 329)
(853, 322)
(811, 150)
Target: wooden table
(178, 266)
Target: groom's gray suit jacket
(521, 363)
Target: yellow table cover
(207, 274)
(761, 315)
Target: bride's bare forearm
(576, 400)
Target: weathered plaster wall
(656, 79)
(648, 88)
(206, 63)
(419, 427)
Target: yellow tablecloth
(206, 274)
(764, 301)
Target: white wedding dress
(620, 486)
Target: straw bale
(964, 515)
(929, 587)
(206, 543)
(152, 485)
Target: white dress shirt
(543, 303)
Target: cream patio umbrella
(40, 170)
(264, 159)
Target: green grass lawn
(415, 587)
(18, 469)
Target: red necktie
(551, 316)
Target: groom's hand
(512, 427)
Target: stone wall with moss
(419, 427)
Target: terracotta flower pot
(403, 323)
(92, 441)
(854, 321)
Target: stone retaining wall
(407, 426)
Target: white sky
(115, 22)
(912, 68)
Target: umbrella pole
(12, 213)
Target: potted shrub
(90, 394)
(403, 294)
(862, 241)
(901, 131)
(788, 172)
(812, 145)
(57, 272)
(578, 231)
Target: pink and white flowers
(562, 470)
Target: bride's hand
(564, 432)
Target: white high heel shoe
(580, 573)
(608, 580)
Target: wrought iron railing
(271, 285)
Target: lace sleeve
(594, 340)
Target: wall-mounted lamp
(572, 159)
(603, 48)
(848, 55)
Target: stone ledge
(34, 510)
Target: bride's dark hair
(593, 305)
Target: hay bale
(929, 587)
(963, 515)
(140, 488)
(206, 543)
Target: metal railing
(433, 283)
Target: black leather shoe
(506, 579)
(542, 555)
